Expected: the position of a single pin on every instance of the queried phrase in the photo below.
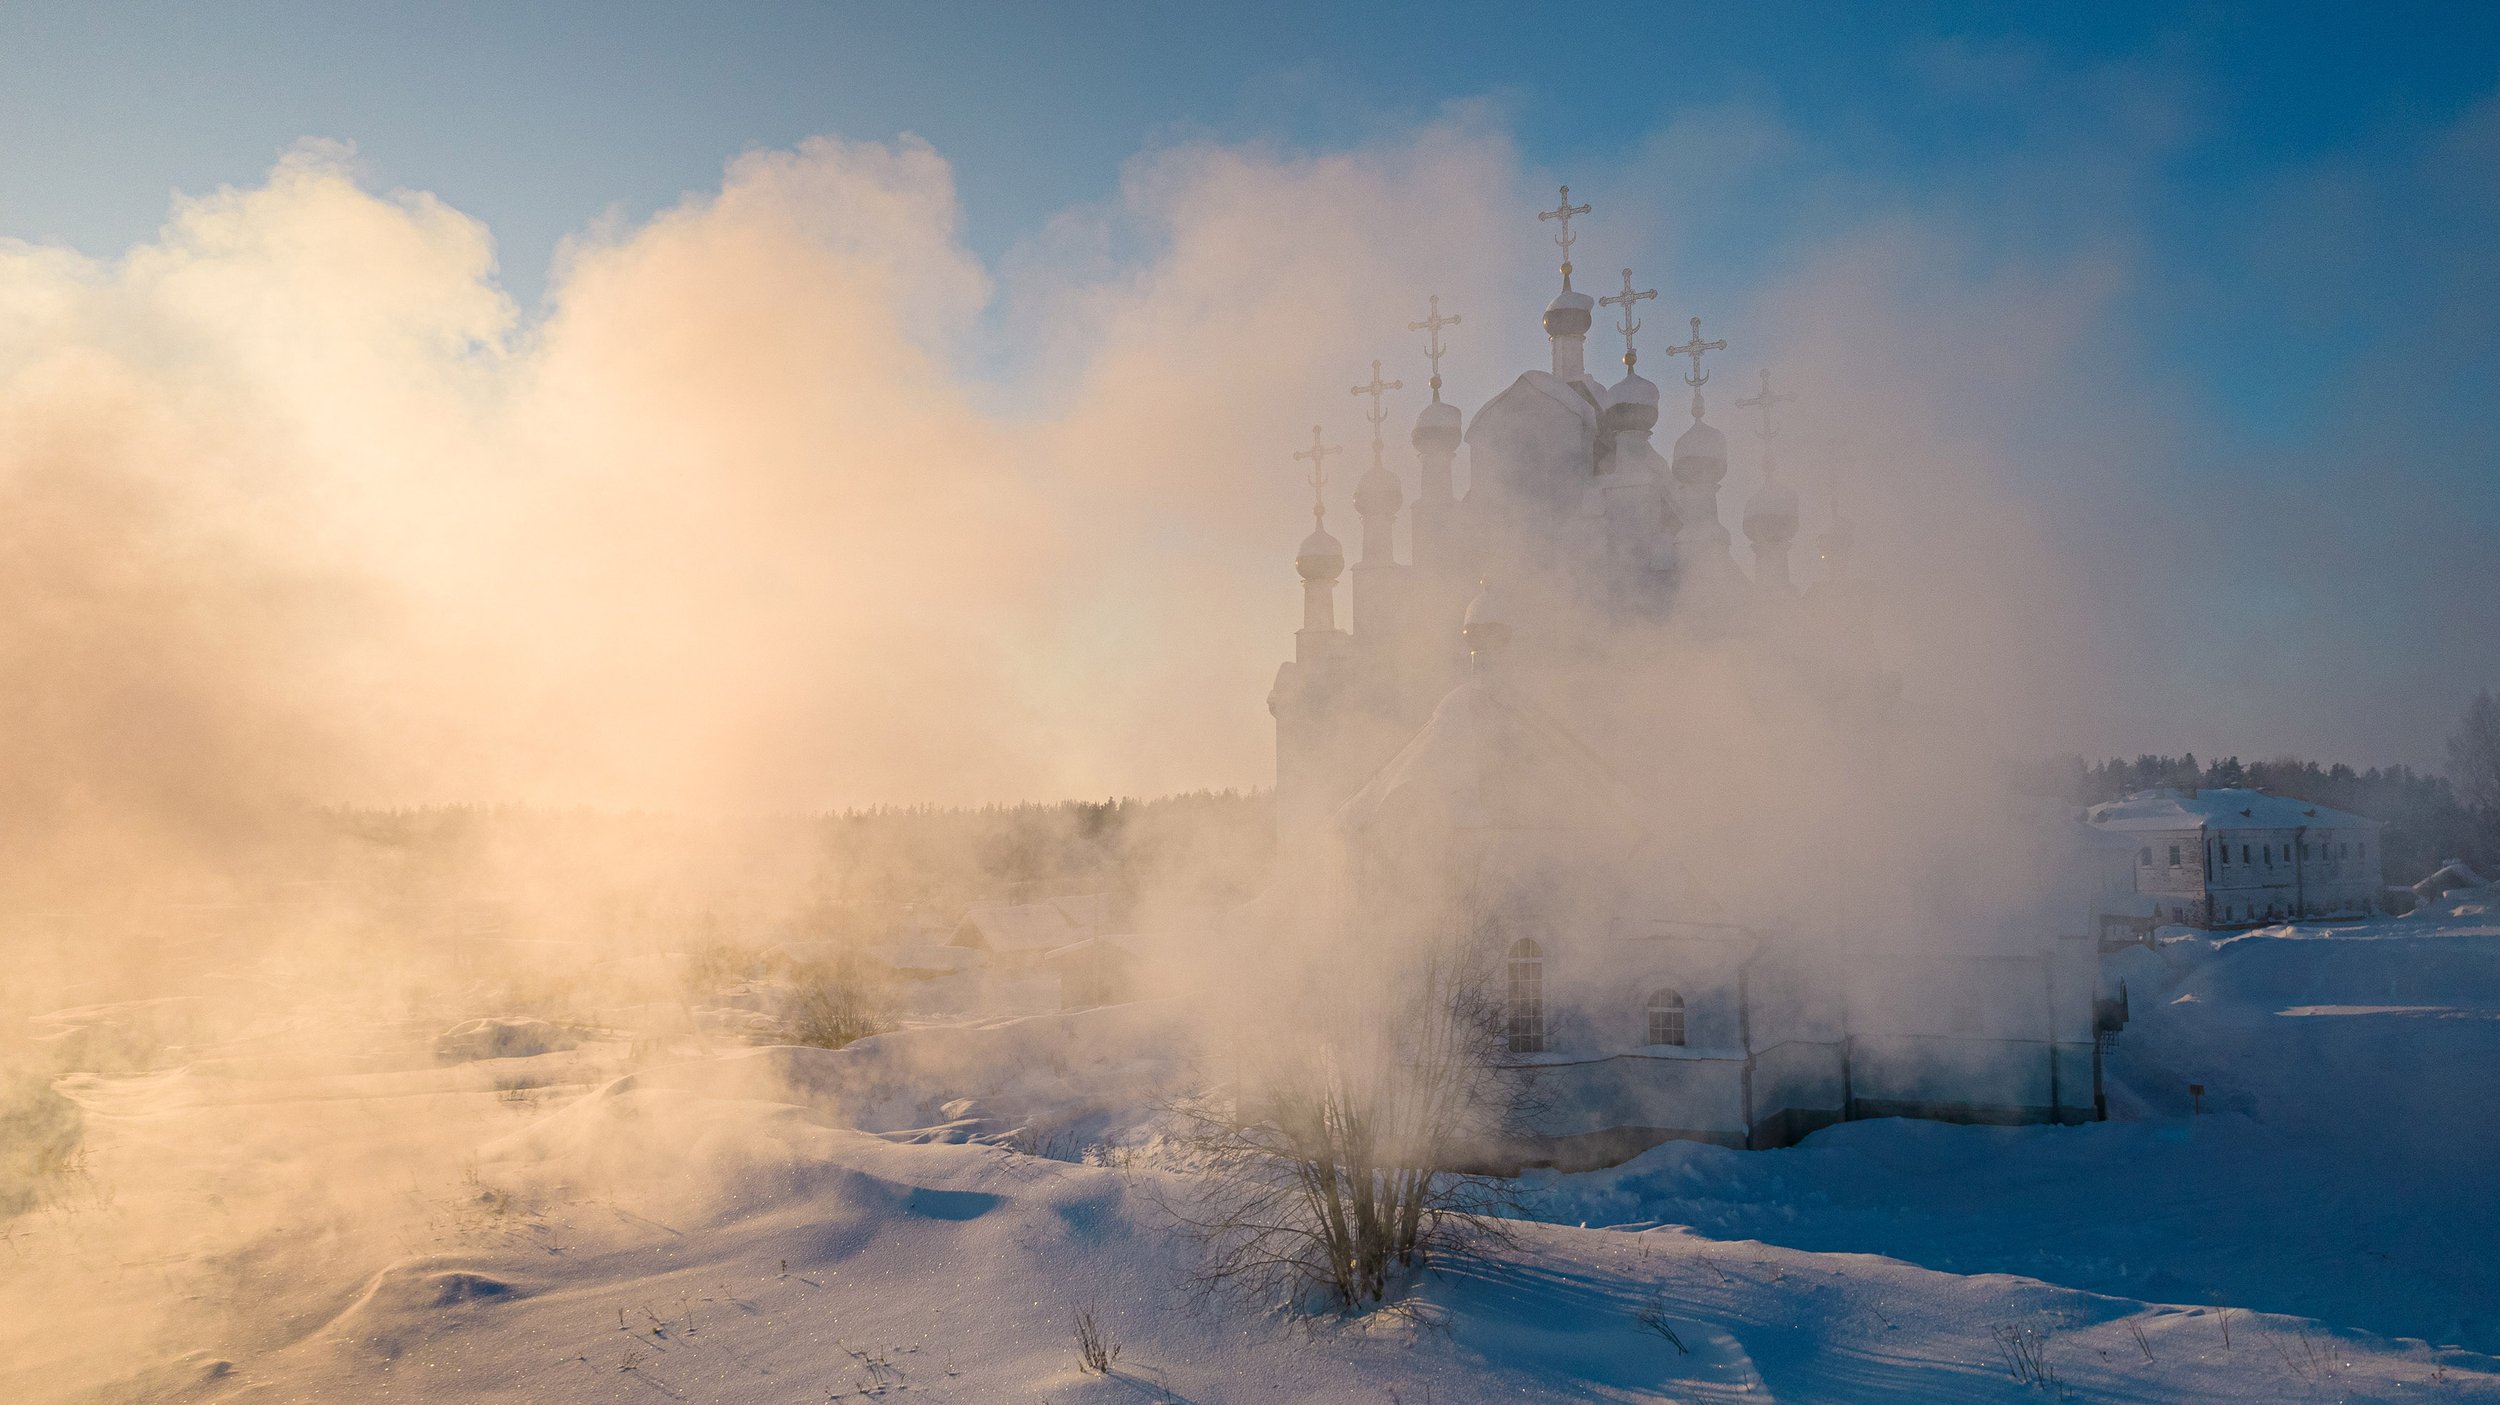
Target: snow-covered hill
(803, 1225)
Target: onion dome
(1632, 405)
(1379, 493)
(1569, 314)
(1701, 454)
(1484, 629)
(1771, 514)
(1321, 558)
(1436, 429)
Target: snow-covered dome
(1701, 454)
(1771, 514)
(1632, 404)
(1321, 558)
(1568, 315)
(1436, 429)
(1379, 492)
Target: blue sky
(537, 119)
(2304, 200)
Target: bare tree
(831, 1003)
(2474, 758)
(1340, 1152)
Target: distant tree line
(2430, 818)
(875, 874)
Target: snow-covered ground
(776, 1225)
(2347, 1167)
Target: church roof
(1031, 927)
(2227, 807)
(1489, 759)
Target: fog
(784, 503)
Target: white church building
(1476, 755)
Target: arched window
(1527, 997)
(1666, 1017)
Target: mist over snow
(540, 867)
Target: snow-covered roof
(922, 958)
(1491, 759)
(1018, 927)
(1092, 949)
(2452, 875)
(2226, 807)
(1488, 759)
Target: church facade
(1479, 755)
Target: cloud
(786, 501)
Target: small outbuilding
(1021, 934)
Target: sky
(2208, 288)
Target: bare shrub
(717, 964)
(1337, 1157)
(832, 1003)
(1095, 1348)
(2026, 1355)
(1652, 1315)
(40, 1135)
(2312, 1364)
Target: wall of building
(2267, 874)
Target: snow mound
(500, 1039)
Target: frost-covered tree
(1339, 1155)
(2474, 760)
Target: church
(1491, 749)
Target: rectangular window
(2268, 851)
(2243, 853)
(2304, 851)
(2174, 856)
(2226, 854)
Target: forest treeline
(883, 873)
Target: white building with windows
(1480, 756)
(2229, 857)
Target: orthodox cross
(1376, 414)
(1764, 402)
(1564, 212)
(1697, 377)
(1318, 455)
(1433, 349)
(1624, 300)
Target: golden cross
(1433, 349)
(1376, 414)
(1624, 300)
(1765, 401)
(1697, 377)
(1318, 455)
(1564, 212)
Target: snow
(2345, 1153)
(782, 1224)
(2220, 808)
